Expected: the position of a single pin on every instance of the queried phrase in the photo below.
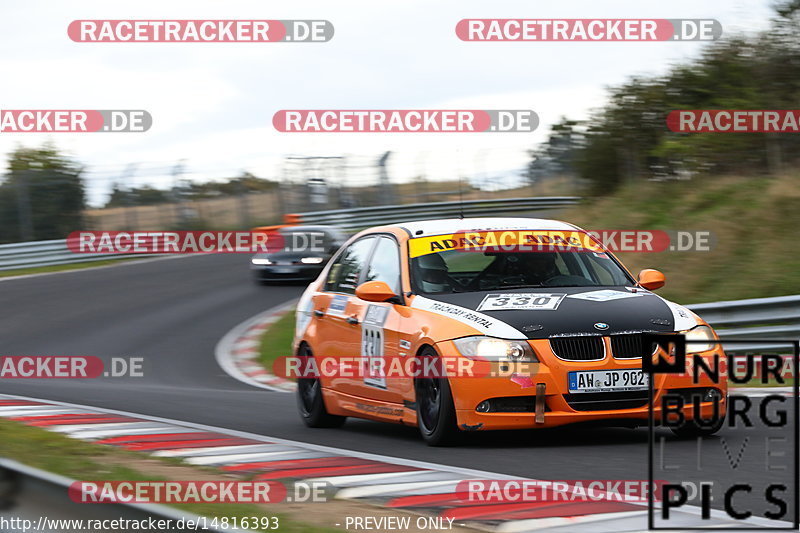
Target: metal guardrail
(35, 500)
(46, 253)
(364, 217)
(758, 318)
(55, 252)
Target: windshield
(462, 271)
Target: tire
(436, 414)
(310, 402)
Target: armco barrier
(35, 500)
(764, 319)
(45, 253)
(364, 217)
(55, 252)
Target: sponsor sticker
(604, 295)
(521, 302)
(372, 342)
(505, 241)
(475, 319)
(337, 305)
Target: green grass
(277, 340)
(751, 218)
(85, 461)
(59, 454)
(63, 268)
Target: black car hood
(634, 311)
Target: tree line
(627, 139)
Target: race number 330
(521, 302)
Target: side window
(345, 272)
(385, 264)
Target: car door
(377, 341)
(336, 313)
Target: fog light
(483, 407)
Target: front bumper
(518, 391)
(286, 272)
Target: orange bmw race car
(490, 323)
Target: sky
(212, 103)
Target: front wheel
(310, 401)
(436, 414)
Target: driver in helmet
(433, 274)
(538, 267)
(530, 268)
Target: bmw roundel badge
(602, 326)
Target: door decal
(372, 346)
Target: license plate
(607, 380)
(284, 270)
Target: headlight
(494, 349)
(697, 334)
(260, 261)
(312, 260)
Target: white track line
(397, 489)
(75, 428)
(358, 478)
(214, 450)
(413, 475)
(37, 412)
(90, 434)
(288, 455)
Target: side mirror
(376, 291)
(651, 279)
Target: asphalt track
(173, 312)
